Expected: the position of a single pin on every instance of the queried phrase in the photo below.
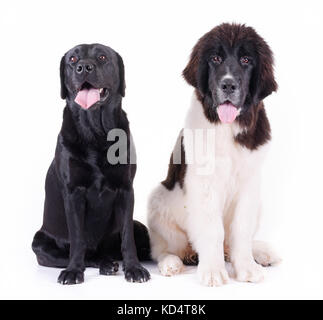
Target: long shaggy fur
(205, 219)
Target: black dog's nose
(228, 86)
(87, 67)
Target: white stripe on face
(228, 75)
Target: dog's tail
(142, 241)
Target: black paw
(136, 274)
(71, 277)
(109, 268)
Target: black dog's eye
(73, 59)
(217, 59)
(245, 60)
(102, 57)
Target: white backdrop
(155, 39)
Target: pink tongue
(227, 112)
(87, 97)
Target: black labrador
(88, 211)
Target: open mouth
(87, 95)
(227, 112)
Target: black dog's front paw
(109, 268)
(71, 277)
(136, 273)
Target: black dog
(88, 212)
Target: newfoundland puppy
(208, 207)
(89, 200)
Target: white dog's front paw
(170, 265)
(212, 276)
(249, 271)
(264, 255)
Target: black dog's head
(90, 74)
(232, 69)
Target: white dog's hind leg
(170, 264)
(168, 241)
(264, 255)
(168, 250)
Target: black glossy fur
(88, 212)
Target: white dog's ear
(62, 76)
(263, 81)
(190, 72)
(196, 72)
(266, 79)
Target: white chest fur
(216, 162)
(217, 209)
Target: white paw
(249, 271)
(212, 276)
(264, 255)
(170, 265)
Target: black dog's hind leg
(75, 212)
(108, 252)
(142, 241)
(108, 266)
(133, 270)
(48, 253)
(51, 254)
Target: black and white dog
(88, 213)
(208, 206)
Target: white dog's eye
(217, 59)
(245, 60)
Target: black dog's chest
(97, 174)
(99, 215)
(86, 167)
(101, 196)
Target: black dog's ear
(122, 86)
(62, 75)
